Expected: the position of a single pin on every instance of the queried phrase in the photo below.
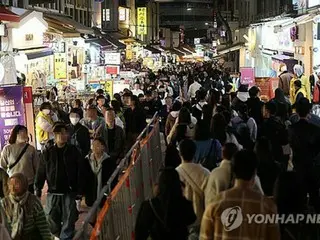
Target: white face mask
(46, 111)
(74, 121)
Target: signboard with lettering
(11, 111)
(112, 58)
(142, 21)
(60, 66)
(247, 76)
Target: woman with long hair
(168, 215)
(219, 129)
(284, 109)
(183, 127)
(19, 156)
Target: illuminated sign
(142, 20)
(313, 3)
(106, 15)
(122, 14)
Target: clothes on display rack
(10, 75)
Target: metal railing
(140, 167)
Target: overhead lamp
(189, 9)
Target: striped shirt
(34, 222)
(226, 218)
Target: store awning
(281, 57)
(117, 35)
(7, 16)
(99, 42)
(56, 27)
(231, 48)
(296, 21)
(173, 51)
(33, 53)
(69, 23)
(116, 43)
(152, 50)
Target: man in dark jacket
(304, 139)
(275, 132)
(255, 105)
(135, 119)
(61, 166)
(114, 137)
(79, 134)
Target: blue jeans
(62, 214)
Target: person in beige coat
(194, 178)
(221, 178)
(29, 160)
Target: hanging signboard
(112, 70)
(247, 76)
(109, 87)
(11, 111)
(29, 114)
(142, 20)
(60, 66)
(112, 58)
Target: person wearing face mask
(44, 125)
(79, 134)
(19, 156)
(305, 83)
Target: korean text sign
(142, 20)
(247, 76)
(11, 111)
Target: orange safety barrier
(116, 220)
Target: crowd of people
(225, 147)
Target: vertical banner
(247, 76)
(11, 111)
(142, 21)
(109, 88)
(60, 66)
(29, 117)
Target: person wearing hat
(241, 98)
(284, 79)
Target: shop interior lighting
(189, 9)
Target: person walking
(168, 215)
(61, 166)
(44, 125)
(240, 198)
(19, 156)
(113, 136)
(99, 168)
(24, 212)
(195, 178)
(93, 122)
(79, 134)
(221, 178)
(284, 79)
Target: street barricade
(116, 219)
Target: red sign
(27, 95)
(113, 70)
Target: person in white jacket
(194, 177)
